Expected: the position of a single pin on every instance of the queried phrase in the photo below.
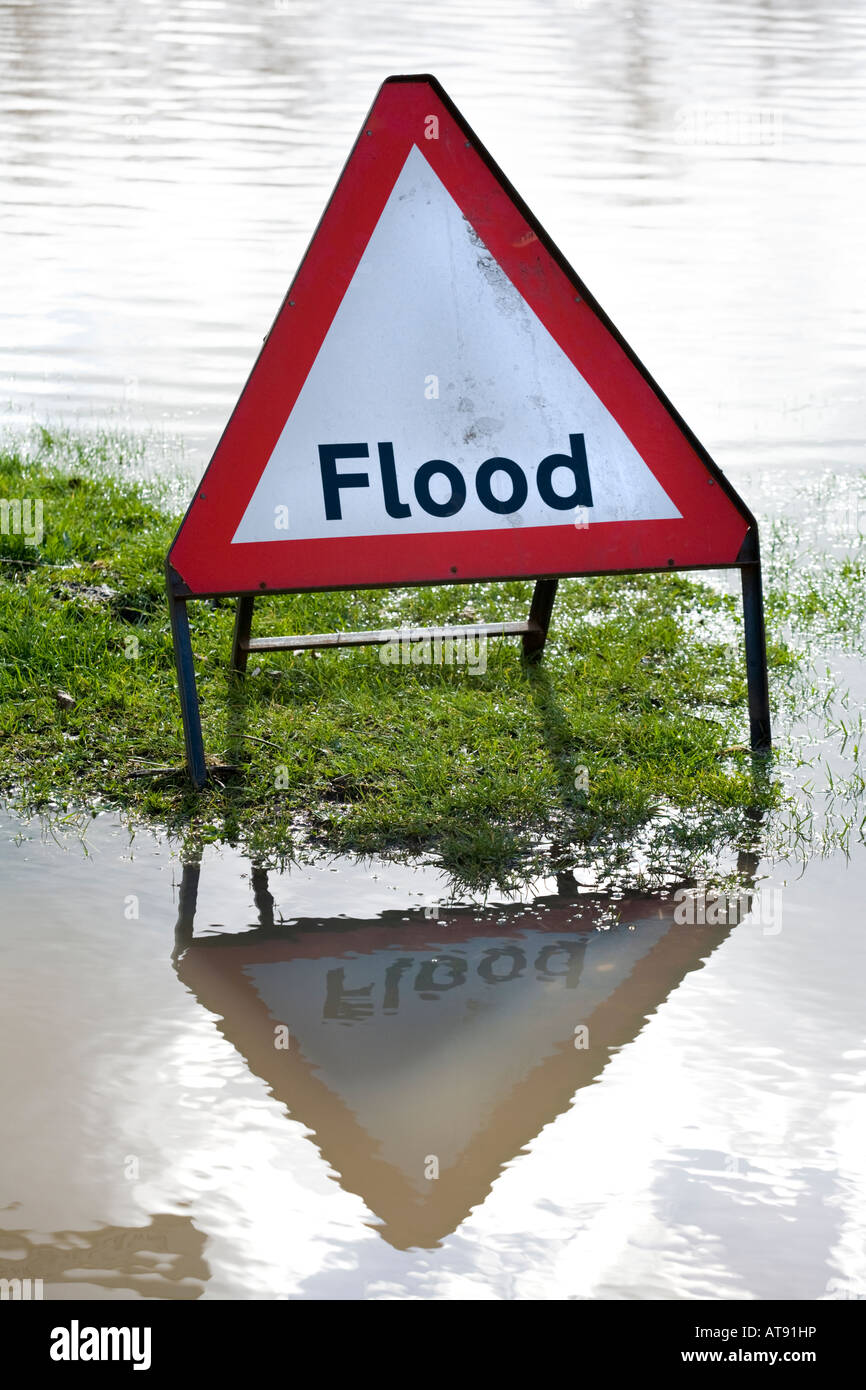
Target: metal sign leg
(243, 628)
(539, 617)
(183, 660)
(756, 657)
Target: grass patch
(642, 685)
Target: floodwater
(348, 1079)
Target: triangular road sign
(441, 399)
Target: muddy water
(336, 1083)
(344, 1081)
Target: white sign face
(439, 402)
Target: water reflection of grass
(642, 685)
(816, 586)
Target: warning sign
(440, 400)
(439, 379)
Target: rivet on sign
(369, 132)
(670, 562)
(291, 304)
(263, 584)
(711, 481)
(453, 569)
(201, 497)
(469, 144)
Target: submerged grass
(642, 686)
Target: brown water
(163, 1141)
(702, 166)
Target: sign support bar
(533, 631)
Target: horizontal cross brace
(379, 636)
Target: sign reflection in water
(425, 1054)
